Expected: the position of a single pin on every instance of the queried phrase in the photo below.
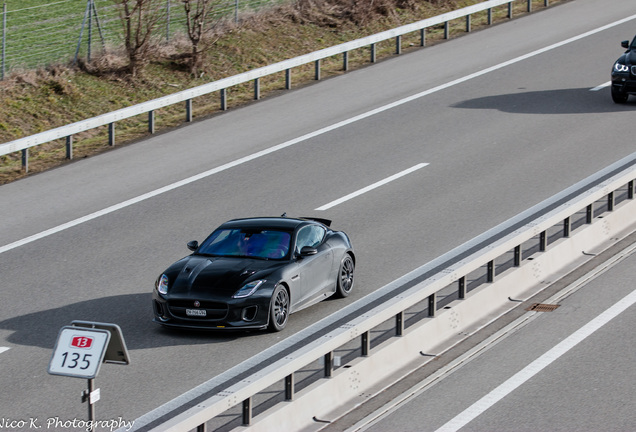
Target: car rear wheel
(279, 309)
(345, 276)
(618, 96)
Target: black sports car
(624, 73)
(252, 273)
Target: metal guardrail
(187, 96)
(280, 374)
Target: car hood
(216, 276)
(630, 57)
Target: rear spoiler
(325, 222)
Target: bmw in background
(252, 273)
(624, 73)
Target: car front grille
(213, 310)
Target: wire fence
(36, 34)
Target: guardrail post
(490, 271)
(223, 99)
(567, 226)
(517, 256)
(610, 201)
(589, 214)
(111, 134)
(510, 10)
(467, 23)
(630, 190)
(398, 44)
(288, 79)
(345, 61)
(423, 37)
(365, 343)
(399, 324)
(257, 89)
(201, 428)
(69, 147)
(25, 159)
(289, 387)
(373, 53)
(432, 304)
(529, 5)
(490, 16)
(328, 364)
(188, 106)
(461, 288)
(446, 30)
(247, 412)
(151, 121)
(543, 241)
(317, 72)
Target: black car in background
(252, 273)
(624, 73)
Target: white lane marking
(371, 187)
(3, 349)
(294, 141)
(538, 365)
(602, 86)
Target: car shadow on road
(561, 101)
(131, 312)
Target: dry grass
(36, 101)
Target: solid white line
(310, 135)
(3, 349)
(538, 365)
(602, 86)
(371, 187)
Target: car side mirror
(193, 245)
(625, 44)
(308, 250)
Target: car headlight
(620, 67)
(248, 289)
(162, 284)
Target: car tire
(618, 96)
(345, 276)
(278, 309)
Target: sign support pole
(89, 396)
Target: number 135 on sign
(79, 352)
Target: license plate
(196, 312)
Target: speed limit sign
(79, 352)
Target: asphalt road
(504, 118)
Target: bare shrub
(197, 14)
(139, 19)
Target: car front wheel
(618, 96)
(279, 309)
(345, 276)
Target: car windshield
(253, 243)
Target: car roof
(283, 223)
